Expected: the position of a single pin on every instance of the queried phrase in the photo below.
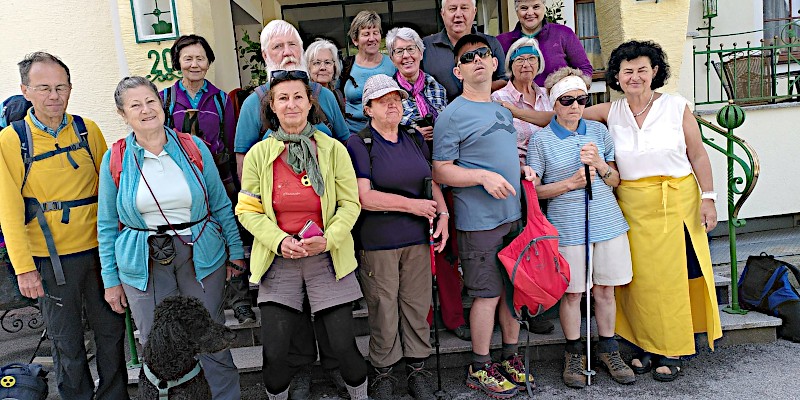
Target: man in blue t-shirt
(474, 151)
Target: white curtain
(586, 25)
(774, 9)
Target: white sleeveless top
(658, 147)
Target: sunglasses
(567, 101)
(469, 57)
(285, 75)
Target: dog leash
(165, 386)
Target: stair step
(752, 327)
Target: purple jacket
(208, 117)
(560, 47)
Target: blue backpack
(772, 287)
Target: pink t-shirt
(524, 129)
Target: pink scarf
(416, 91)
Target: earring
(617, 83)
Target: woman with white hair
(324, 67)
(558, 153)
(524, 62)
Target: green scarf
(301, 156)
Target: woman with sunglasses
(299, 199)
(558, 153)
(663, 166)
(523, 63)
(165, 226)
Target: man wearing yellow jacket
(49, 220)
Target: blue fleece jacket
(124, 254)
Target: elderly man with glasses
(49, 218)
(475, 151)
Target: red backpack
(538, 273)
(184, 140)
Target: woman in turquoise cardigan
(168, 229)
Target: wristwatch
(709, 195)
(443, 213)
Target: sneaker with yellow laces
(514, 370)
(491, 382)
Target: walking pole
(440, 394)
(587, 197)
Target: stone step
(752, 327)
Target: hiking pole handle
(588, 181)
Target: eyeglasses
(469, 56)
(319, 63)
(399, 52)
(284, 75)
(522, 61)
(567, 101)
(44, 90)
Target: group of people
(344, 173)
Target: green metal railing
(767, 72)
(739, 188)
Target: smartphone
(427, 188)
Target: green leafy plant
(255, 61)
(553, 12)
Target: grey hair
(564, 72)
(444, 3)
(517, 2)
(523, 42)
(364, 19)
(312, 52)
(39, 57)
(406, 34)
(278, 27)
(132, 82)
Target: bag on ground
(23, 382)
(772, 287)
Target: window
(586, 29)
(778, 14)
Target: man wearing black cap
(474, 151)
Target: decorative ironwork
(160, 27)
(13, 321)
(732, 117)
(162, 59)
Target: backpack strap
(261, 91)
(188, 144)
(345, 75)
(25, 146)
(169, 94)
(220, 101)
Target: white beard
(296, 65)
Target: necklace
(653, 93)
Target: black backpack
(13, 109)
(772, 287)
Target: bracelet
(236, 267)
(709, 195)
(443, 213)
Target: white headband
(565, 85)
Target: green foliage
(553, 12)
(255, 62)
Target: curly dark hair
(188, 40)
(632, 50)
(269, 120)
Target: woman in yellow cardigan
(300, 177)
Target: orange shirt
(293, 199)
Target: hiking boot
(383, 384)
(462, 332)
(514, 370)
(301, 384)
(244, 314)
(617, 368)
(418, 379)
(574, 368)
(491, 382)
(341, 388)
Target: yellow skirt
(662, 309)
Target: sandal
(675, 366)
(646, 359)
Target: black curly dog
(182, 329)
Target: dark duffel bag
(773, 287)
(23, 382)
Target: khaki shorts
(610, 262)
(477, 250)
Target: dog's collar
(164, 386)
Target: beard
(290, 63)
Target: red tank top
(293, 199)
